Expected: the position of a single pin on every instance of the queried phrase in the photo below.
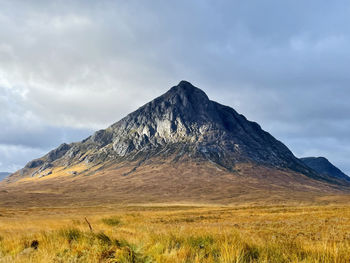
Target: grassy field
(176, 234)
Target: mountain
(3, 175)
(181, 122)
(179, 147)
(324, 167)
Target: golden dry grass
(176, 234)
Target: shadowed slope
(324, 167)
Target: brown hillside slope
(167, 182)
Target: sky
(68, 68)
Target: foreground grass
(176, 234)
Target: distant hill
(324, 167)
(3, 175)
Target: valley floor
(180, 233)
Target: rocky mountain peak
(183, 101)
(185, 93)
(179, 144)
(182, 123)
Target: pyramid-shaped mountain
(182, 122)
(181, 133)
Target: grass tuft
(112, 221)
(104, 238)
(71, 234)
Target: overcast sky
(68, 68)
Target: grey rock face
(185, 115)
(34, 163)
(58, 152)
(324, 167)
(181, 122)
(42, 168)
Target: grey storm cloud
(70, 67)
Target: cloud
(22, 154)
(69, 68)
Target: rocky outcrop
(34, 163)
(58, 152)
